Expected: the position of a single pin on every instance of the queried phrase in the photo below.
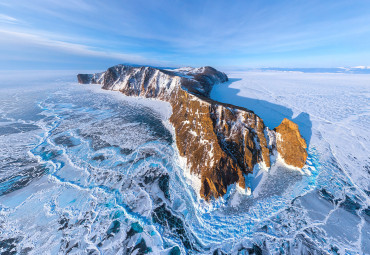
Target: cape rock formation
(221, 142)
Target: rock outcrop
(290, 144)
(221, 142)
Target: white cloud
(7, 19)
(76, 48)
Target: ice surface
(335, 106)
(332, 111)
(88, 171)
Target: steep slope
(221, 142)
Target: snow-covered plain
(88, 171)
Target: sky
(91, 34)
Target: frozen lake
(85, 171)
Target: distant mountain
(356, 70)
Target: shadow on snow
(272, 114)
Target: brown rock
(221, 143)
(290, 144)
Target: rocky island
(220, 142)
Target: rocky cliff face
(290, 145)
(221, 143)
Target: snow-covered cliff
(221, 142)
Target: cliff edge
(220, 142)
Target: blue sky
(90, 34)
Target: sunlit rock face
(220, 142)
(290, 144)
